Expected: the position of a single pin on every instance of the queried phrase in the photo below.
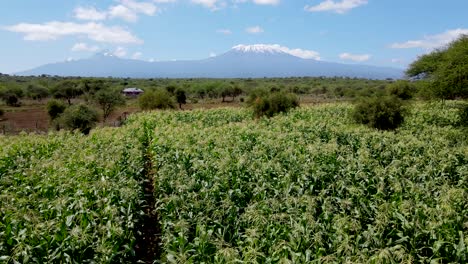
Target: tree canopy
(446, 70)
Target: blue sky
(375, 32)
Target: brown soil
(28, 120)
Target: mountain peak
(259, 48)
(104, 54)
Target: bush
(80, 117)
(158, 99)
(382, 113)
(402, 89)
(463, 113)
(272, 104)
(55, 108)
(12, 100)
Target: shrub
(402, 89)
(55, 108)
(463, 113)
(12, 100)
(158, 99)
(274, 103)
(382, 113)
(80, 117)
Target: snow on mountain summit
(259, 48)
(277, 49)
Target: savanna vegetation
(377, 172)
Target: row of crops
(68, 198)
(310, 187)
(306, 187)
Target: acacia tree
(446, 70)
(108, 100)
(181, 97)
(67, 90)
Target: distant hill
(255, 61)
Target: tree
(37, 92)
(181, 97)
(79, 117)
(55, 108)
(445, 69)
(108, 100)
(12, 95)
(159, 99)
(67, 90)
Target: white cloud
(266, 2)
(146, 8)
(123, 12)
(212, 54)
(335, 6)
(224, 31)
(211, 4)
(89, 13)
(432, 41)
(137, 55)
(120, 52)
(254, 30)
(93, 31)
(84, 47)
(305, 54)
(355, 57)
(127, 10)
(259, 2)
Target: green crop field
(309, 186)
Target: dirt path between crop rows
(148, 235)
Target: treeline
(15, 88)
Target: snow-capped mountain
(242, 61)
(259, 48)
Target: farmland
(309, 186)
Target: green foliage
(171, 89)
(12, 100)
(304, 187)
(463, 113)
(446, 69)
(274, 103)
(55, 108)
(79, 117)
(108, 100)
(67, 90)
(11, 95)
(307, 187)
(404, 90)
(66, 198)
(382, 113)
(37, 92)
(159, 99)
(181, 97)
(230, 91)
